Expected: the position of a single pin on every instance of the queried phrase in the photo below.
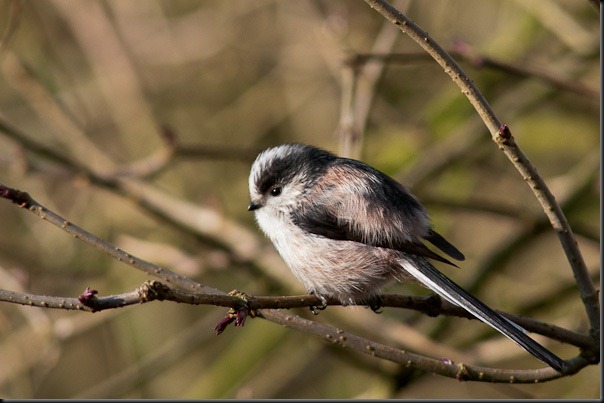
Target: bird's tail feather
(446, 288)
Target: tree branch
(149, 291)
(445, 367)
(24, 200)
(240, 306)
(266, 307)
(502, 136)
(478, 61)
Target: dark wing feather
(441, 243)
(336, 210)
(321, 222)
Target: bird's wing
(371, 208)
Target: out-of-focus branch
(577, 184)
(464, 52)
(173, 352)
(65, 128)
(154, 163)
(16, 7)
(244, 154)
(595, 4)
(552, 16)
(203, 224)
(477, 60)
(359, 83)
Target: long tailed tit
(346, 229)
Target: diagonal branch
(443, 366)
(502, 136)
(24, 200)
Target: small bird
(346, 230)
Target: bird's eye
(276, 191)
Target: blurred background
(170, 101)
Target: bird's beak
(253, 206)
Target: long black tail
(443, 286)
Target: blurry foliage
(98, 79)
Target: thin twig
(596, 5)
(463, 372)
(24, 200)
(157, 291)
(443, 366)
(478, 61)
